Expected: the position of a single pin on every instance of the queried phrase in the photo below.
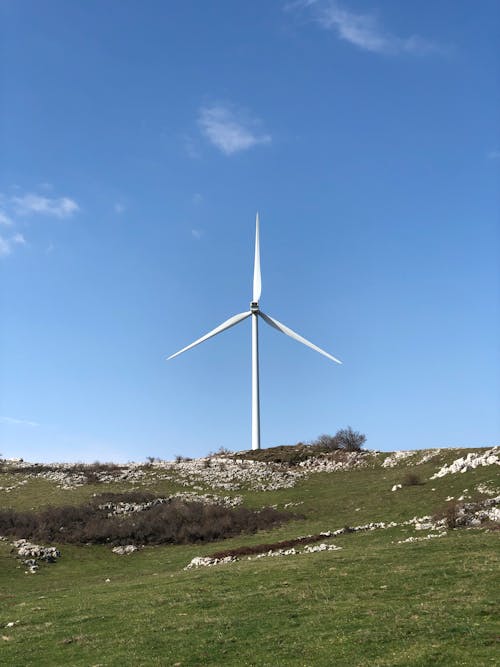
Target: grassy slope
(373, 603)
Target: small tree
(349, 440)
(325, 441)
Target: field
(376, 601)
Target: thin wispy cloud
(196, 234)
(7, 243)
(494, 155)
(229, 130)
(27, 206)
(5, 219)
(119, 208)
(62, 207)
(17, 422)
(5, 247)
(18, 238)
(363, 30)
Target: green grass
(374, 603)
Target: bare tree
(351, 441)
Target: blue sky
(138, 139)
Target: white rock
(125, 550)
(396, 457)
(469, 462)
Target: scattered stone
(26, 549)
(488, 489)
(200, 561)
(8, 489)
(428, 455)
(233, 474)
(430, 536)
(311, 549)
(349, 461)
(396, 457)
(30, 554)
(287, 505)
(70, 475)
(470, 462)
(125, 550)
(206, 499)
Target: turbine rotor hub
(254, 307)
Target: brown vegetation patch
(175, 522)
(268, 546)
(411, 479)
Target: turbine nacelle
(254, 307)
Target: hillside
(345, 558)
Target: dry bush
(345, 439)
(325, 443)
(175, 522)
(351, 441)
(411, 479)
(450, 513)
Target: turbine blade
(257, 282)
(222, 327)
(284, 329)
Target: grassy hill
(389, 595)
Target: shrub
(182, 459)
(174, 522)
(450, 513)
(351, 441)
(223, 451)
(411, 479)
(345, 438)
(326, 442)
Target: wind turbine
(255, 313)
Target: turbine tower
(255, 313)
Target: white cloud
(29, 205)
(230, 131)
(62, 207)
(5, 247)
(196, 234)
(364, 30)
(4, 219)
(18, 422)
(6, 244)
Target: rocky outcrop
(470, 462)
(31, 554)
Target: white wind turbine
(255, 313)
